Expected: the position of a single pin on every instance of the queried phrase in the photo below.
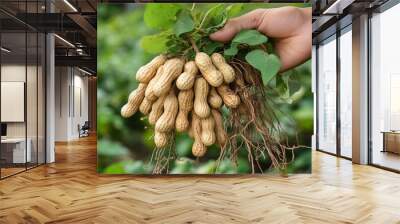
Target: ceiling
(332, 15)
(74, 22)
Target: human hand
(289, 27)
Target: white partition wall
(71, 102)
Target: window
(22, 77)
(385, 89)
(346, 74)
(327, 95)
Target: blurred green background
(126, 145)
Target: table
(18, 151)
(391, 141)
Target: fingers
(250, 20)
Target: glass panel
(31, 99)
(41, 99)
(346, 94)
(385, 89)
(13, 88)
(327, 96)
(31, 86)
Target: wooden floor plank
(70, 191)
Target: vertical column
(314, 91)
(50, 93)
(360, 90)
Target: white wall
(71, 93)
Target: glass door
(22, 77)
(14, 153)
(385, 89)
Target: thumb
(250, 20)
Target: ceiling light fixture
(84, 71)
(337, 7)
(5, 50)
(64, 40)
(70, 5)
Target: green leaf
(267, 64)
(214, 16)
(234, 9)
(210, 46)
(232, 50)
(250, 37)
(154, 44)
(161, 15)
(184, 23)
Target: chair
(84, 130)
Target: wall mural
(172, 100)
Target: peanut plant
(220, 93)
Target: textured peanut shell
(134, 100)
(201, 107)
(208, 70)
(156, 110)
(222, 136)
(166, 122)
(147, 72)
(185, 101)
(149, 94)
(227, 71)
(207, 131)
(161, 139)
(172, 69)
(198, 148)
(145, 106)
(186, 80)
(214, 99)
(230, 99)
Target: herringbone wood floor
(70, 191)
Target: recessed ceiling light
(70, 5)
(64, 40)
(337, 7)
(5, 50)
(84, 71)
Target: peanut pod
(207, 131)
(156, 110)
(172, 69)
(198, 148)
(134, 101)
(208, 70)
(147, 72)
(149, 94)
(222, 136)
(201, 107)
(186, 80)
(145, 106)
(227, 71)
(214, 99)
(161, 139)
(166, 122)
(185, 101)
(230, 98)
